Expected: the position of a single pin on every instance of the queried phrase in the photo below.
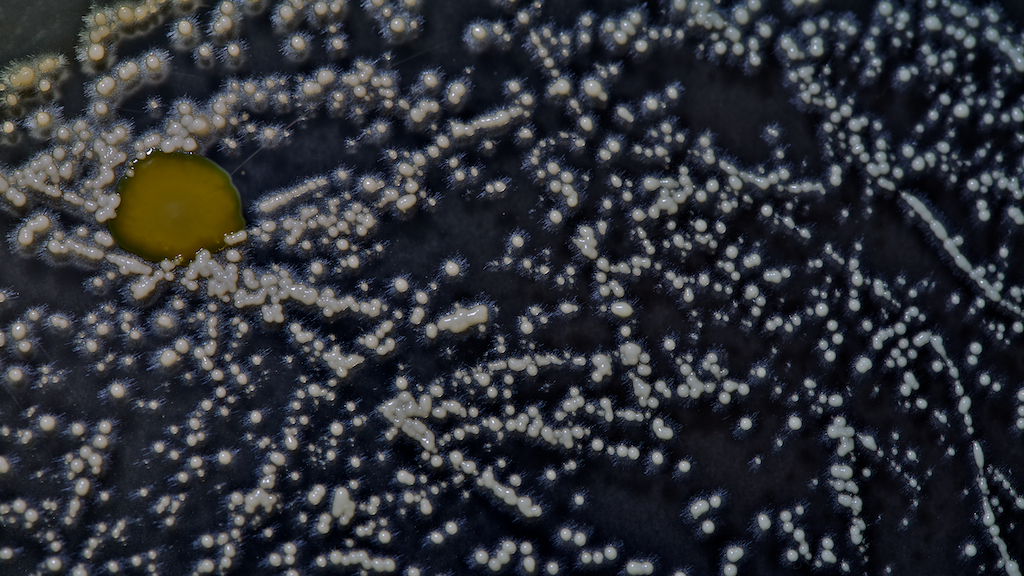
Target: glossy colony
(680, 287)
(171, 206)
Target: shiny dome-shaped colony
(679, 287)
(171, 206)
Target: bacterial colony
(524, 288)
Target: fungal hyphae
(674, 287)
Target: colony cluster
(530, 317)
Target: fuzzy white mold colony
(531, 316)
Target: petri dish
(681, 287)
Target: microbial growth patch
(173, 205)
(540, 288)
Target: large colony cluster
(686, 287)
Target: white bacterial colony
(684, 287)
